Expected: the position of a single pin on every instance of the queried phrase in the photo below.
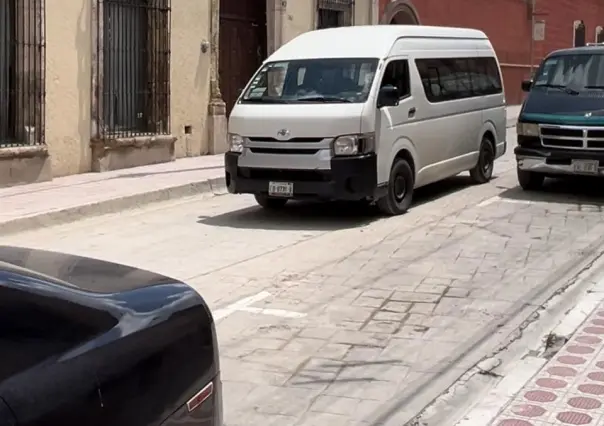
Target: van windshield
(575, 74)
(338, 80)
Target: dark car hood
(556, 107)
(87, 274)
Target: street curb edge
(214, 186)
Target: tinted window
(397, 75)
(458, 78)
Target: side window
(397, 75)
(464, 82)
(492, 71)
(486, 79)
(439, 78)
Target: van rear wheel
(400, 189)
(483, 171)
(270, 203)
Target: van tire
(530, 181)
(400, 189)
(483, 171)
(270, 203)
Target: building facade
(96, 85)
(509, 24)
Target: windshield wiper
(323, 99)
(595, 87)
(565, 89)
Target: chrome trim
(539, 165)
(584, 139)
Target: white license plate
(280, 189)
(585, 167)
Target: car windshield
(578, 73)
(346, 80)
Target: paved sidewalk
(70, 198)
(569, 389)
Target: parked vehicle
(561, 125)
(88, 342)
(368, 113)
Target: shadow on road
(324, 216)
(572, 190)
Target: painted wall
(508, 25)
(68, 81)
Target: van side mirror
(387, 96)
(526, 85)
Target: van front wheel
(400, 189)
(483, 171)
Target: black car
(85, 342)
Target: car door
(395, 123)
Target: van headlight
(527, 129)
(235, 143)
(353, 145)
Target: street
(333, 315)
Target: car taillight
(200, 397)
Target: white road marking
(490, 406)
(243, 305)
(274, 312)
(497, 198)
(239, 305)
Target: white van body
(274, 142)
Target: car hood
(556, 107)
(300, 121)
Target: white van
(367, 113)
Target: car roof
(362, 41)
(584, 50)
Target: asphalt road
(333, 315)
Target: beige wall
(68, 83)
(69, 47)
(301, 16)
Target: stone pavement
(69, 198)
(327, 315)
(569, 390)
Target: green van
(561, 124)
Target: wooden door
(242, 45)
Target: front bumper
(350, 178)
(555, 161)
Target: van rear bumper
(350, 178)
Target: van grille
(572, 137)
(300, 140)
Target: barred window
(133, 88)
(335, 13)
(22, 72)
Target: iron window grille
(133, 60)
(335, 13)
(22, 72)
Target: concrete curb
(215, 186)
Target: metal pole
(532, 46)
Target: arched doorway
(400, 12)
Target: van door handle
(412, 112)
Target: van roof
(599, 48)
(362, 41)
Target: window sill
(28, 151)
(109, 142)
